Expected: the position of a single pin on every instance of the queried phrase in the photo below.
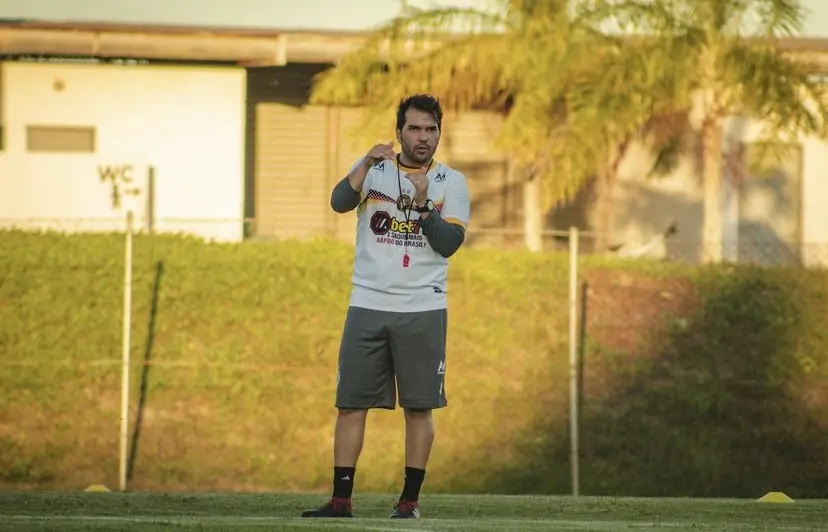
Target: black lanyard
(406, 208)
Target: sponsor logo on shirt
(391, 231)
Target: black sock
(343, 482)
(413, 482)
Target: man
(412, 214)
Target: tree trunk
(532, 214)
(712, 228)
(605, 190)
(605, 208)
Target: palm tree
(721, 58)
(621, 101)
(572, 99)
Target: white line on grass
(205, 519)
(363, 523)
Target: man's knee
(352, 412)
(417, 413)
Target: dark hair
(421, 102)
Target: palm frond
(451, 72)
(418, 30)
(449, 21)
(775, 89)
(779, 17)
(419, 47)
(630, 17)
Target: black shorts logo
(380, 223)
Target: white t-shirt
(384, 236)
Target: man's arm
(344, 198)
(446, 230)
(347, 194)
(445, 237)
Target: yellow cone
(775, 496)
(97, 487)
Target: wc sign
(121, 180)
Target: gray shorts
(379, 346)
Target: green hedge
(696, 382)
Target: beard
(417, 156)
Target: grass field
(68, 511)
(693, 382)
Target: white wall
(186, 122)
(645, 207)
(814, 201)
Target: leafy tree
(721, 58)
(575, 95)
(571, 99)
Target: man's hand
(380, 152)
(420, 182)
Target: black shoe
(334, 508)
(406, 510)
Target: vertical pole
(573, 358)
(127, 321)
(151, 199)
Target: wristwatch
(428, 207)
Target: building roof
(243, 46)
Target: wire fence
(760, 248)
(153, 363)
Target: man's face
(419, 137)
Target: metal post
(573, 358)
(151, 199)
(127, 321)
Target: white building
(98, 120)
(81, 141)
(773, 215)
